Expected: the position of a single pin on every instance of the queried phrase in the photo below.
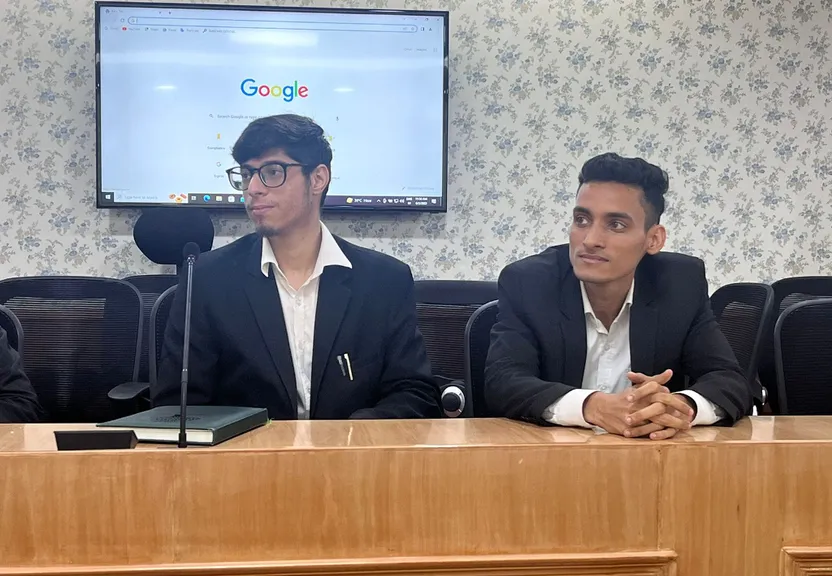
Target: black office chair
(14, 331)
(443, 308)
(150, 286)
(159, 322)
(743, 311)
(477, 341)
(138, 393)
(787, 291)
(802, 342)
(82, 339)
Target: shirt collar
(628, 302)
(330, 254)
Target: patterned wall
(732, 97)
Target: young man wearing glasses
(291, 318)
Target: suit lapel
(334, 293)
(264, 299)
(644, 321)
(573, 329)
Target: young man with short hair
(292, 318)
(605, 331)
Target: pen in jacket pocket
(349, 365)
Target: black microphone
(191, 253)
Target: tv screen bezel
(397, 208)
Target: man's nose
(594, 236)
(255, 186)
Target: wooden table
(472, 497)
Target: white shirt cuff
(707, 412)
(568, 410)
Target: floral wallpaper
(732, 97)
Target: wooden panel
(242, 505)
(741, 503)
(806, 561)
(74, 508)
(659, 563)
(425, 497)
(421, 434)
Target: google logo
(250, 88)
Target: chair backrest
(82, 339)
(443, 308)
(477, 341)
(158, 323)
(14, 331)
(150, 286)
(743, 311)
(802, 341)
(787, 291)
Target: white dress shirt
(606, 368)
(299, 309)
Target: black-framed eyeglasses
(272, 175)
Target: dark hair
(299, 137)
(652, 180)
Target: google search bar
(270, 25)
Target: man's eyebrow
(618, 215)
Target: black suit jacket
(18, 401)
(240, 356)
(538, 345)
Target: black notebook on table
(206, 425)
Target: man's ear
(656, 237)
(319, 179)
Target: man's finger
(664, 434)
(645, 414)
(645, 390)
(642, 430)
(674, 401)
(637, 378)
(668, 421)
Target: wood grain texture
(349, 497)
(803, 561)
(240, 505)
(659, 563)
(740, 503)
(421, 434)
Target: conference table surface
(471, 496)
(469, 433)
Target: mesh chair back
(743, 311)
(82, 339)
(158, 322)
(11, 326)
(150, 286)
(477, 341)
(787, 291)
(802, 340)
(443, 308)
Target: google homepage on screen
(177, 86)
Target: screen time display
(177, 84)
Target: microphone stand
(183, 402)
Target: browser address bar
(270, 25)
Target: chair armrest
(128, 391)
(452, 396)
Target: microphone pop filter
(191, 249)
(162, 233)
